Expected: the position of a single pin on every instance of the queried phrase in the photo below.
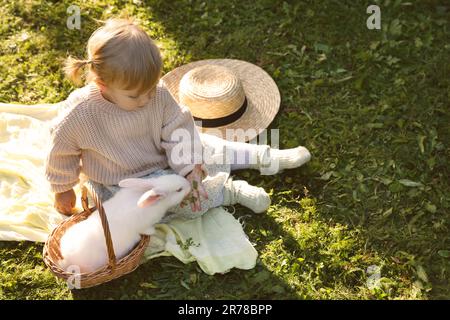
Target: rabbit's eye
(179, 189)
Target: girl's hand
(195, 178)
(65, 202)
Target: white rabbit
(132, 211)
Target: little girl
(120, 123)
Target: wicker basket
(112, 270)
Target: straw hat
(226, 94)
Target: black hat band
(218, 122)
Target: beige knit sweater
(106, 143)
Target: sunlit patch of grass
(23, 276)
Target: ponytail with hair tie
(73, 67)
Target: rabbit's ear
(150, 197)
(136, 183)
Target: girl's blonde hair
(120, 54)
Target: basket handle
(105, 225)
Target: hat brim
(263, 97)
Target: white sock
(239, 191)
(275, 160)
(267, 160)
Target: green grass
(370, 105)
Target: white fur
(132, 211)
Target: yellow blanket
(216, 240)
